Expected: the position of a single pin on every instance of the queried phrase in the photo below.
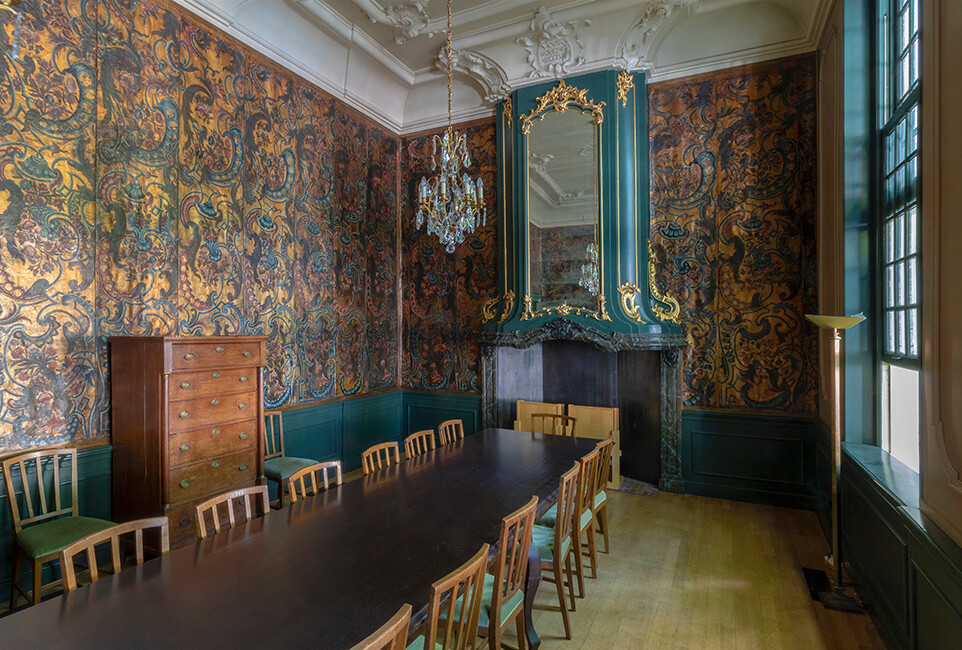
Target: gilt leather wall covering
(158, 178)
(733, 223)
(443, 293)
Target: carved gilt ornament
(561, 98)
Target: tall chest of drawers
(187, 417)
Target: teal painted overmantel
(616, 103)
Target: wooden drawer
(188, 385)
(200, 444)
(195, 356)
(210, 476)
(203, 411)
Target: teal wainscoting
(424, 410)
(758, 458)
(907, 570)
(93, 469)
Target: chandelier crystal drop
(452, 203)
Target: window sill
(896, 479)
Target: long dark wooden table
(327, 571)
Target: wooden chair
(43, 521)
(554, 544)
(393, 635)
(461, 589)
(419, 442)
(585, 516)
(233, 501)
(378, 457)
(524, 409)
(295, 482)
(112, 535)
(599, 505)
(601, 423)
(449, 431)
(553, 423)
(503, 599)
(278, 467)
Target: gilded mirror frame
(558, 100)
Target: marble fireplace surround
(640, 373)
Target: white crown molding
(642, 37)
(730, 60)
(431, 122)
(407, 19)
(489, 75)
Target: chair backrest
(603, 471)
(38, 476)
(419, 442)
(511, 567)
(112, 535)
(298, 489)
(449, 431)
(595, 421)
(586, 482)
(379, 457)
(460, 593)
(273, 434)
(553, 423)
(567, 505)
(524, 409)
(232, 502)
(393, 635)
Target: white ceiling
(383, 58)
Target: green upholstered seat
(418, 643)
(550, 517)
(600, 498)
(53, 536)
(507, 609)
(543, 540)
(278, 469)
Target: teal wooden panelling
(368, 421)
(424, 410)
(93, 469)
(763, 459)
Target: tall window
(898, 119)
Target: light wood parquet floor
(700, 573)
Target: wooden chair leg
(569, 572)
(562, 605)
(37, 575)
(519, 625)
(15, 576)
(579, 562)
(602, 516)
(592, 552)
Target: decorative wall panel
(443, 294)
(733, 228)
(215, 211)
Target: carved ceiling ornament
(553, 47)
(491, 77)
(634, 51)
(407, 20)
(561, 98)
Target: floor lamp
(836, 598)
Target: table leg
(531, 584)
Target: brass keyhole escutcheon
(242, 467)
(184, 447)
(189, 356)
(242, 435)
(215, 402)
(243, 379)
(219, 348)
(185, 484)
(215, 432)
(184, 414)
(215, 375)
(185, 384)
(242, 405)
(215, 464)
(248, 354)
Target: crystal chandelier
(589, 270)
(451, 202)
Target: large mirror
(563, 211)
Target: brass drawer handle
(185, 484)
(219, 348)
(215, 375)
(248, 354)
(214, 402)
(189, 356)
(242, 405)
(242, 435)
(242, 467)
(215, 431)
(184, 447)
(243, 379)
(185, 384)
(184, 414)
(215, 464)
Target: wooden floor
(693, 572)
